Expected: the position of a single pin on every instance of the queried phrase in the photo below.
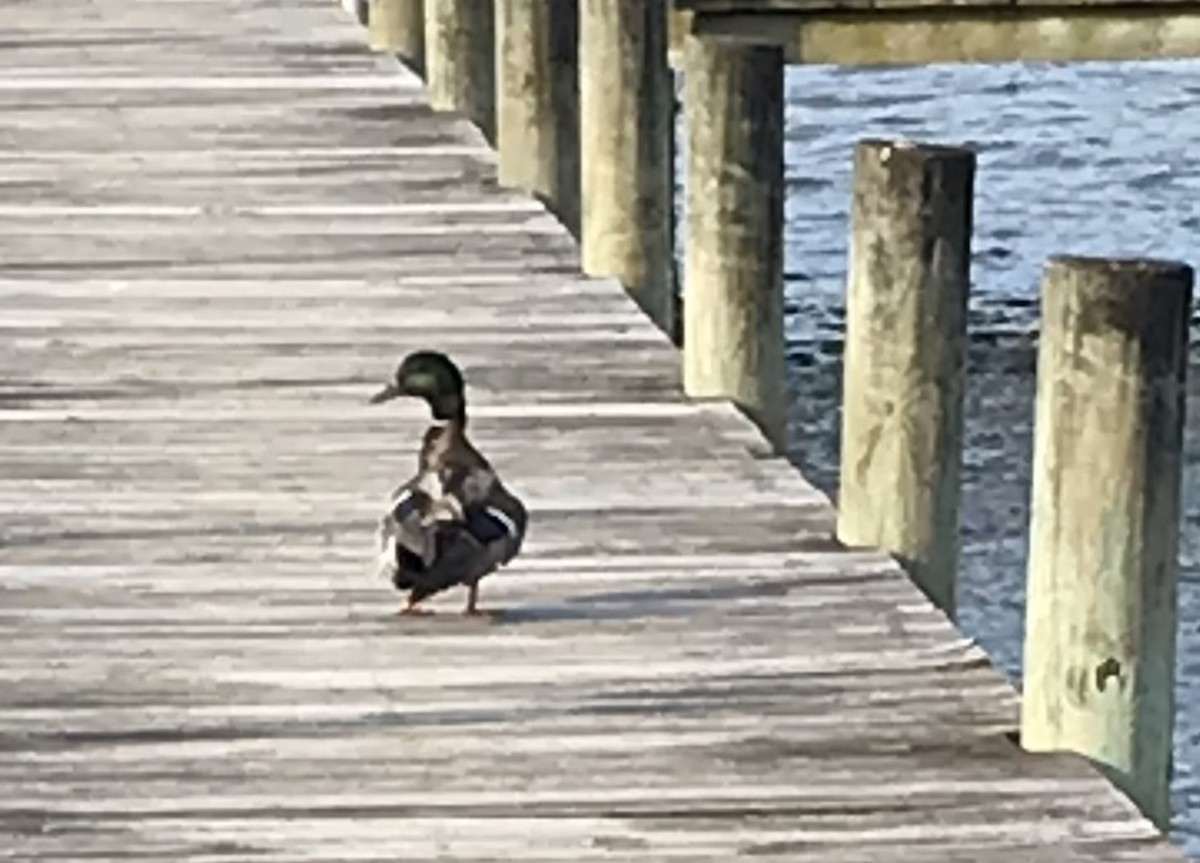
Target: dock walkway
(221, 224)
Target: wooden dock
(221, 225)
(890, 32)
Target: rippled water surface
(1086, 158)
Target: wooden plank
(949, 6)
(896, 32)
(225, 224)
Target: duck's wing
(460, 559)
(473, 497)
(404, 540)
(493, 514)
(499, 523)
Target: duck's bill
(388, 393)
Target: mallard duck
(454, 522)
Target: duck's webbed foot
(411, 609)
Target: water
(1095, 158)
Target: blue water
(1096, 158)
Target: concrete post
(398, 26)
(733, 344)
(902, 403)
(624, 93)
(460, 60)
(1104, 535)
(538, 102)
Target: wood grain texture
(1050, 7)
(921, 32)
(221, 224)
(904, 364)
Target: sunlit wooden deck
(221, 224)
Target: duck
(455, 521)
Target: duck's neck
(450, 415)
(453, 427)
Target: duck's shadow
(632, 605)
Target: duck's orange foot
(413, 611)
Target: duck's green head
(431, 376)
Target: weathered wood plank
(1048, 7)
(888, 32)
